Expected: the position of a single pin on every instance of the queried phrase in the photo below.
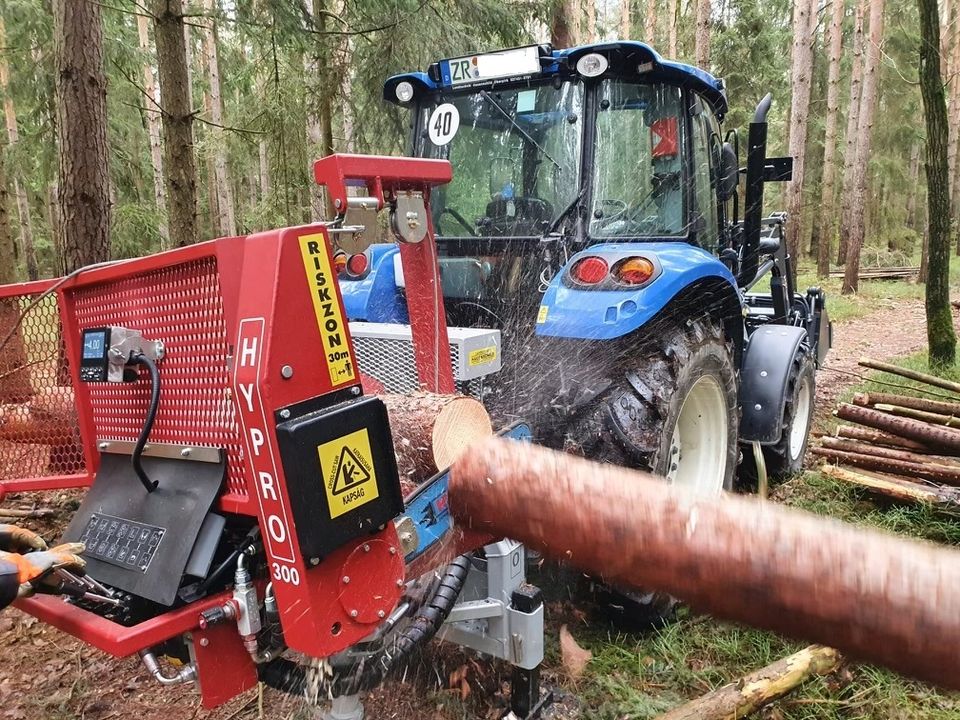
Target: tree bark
(853, 121)
(936, 436)
(650, 23)
(853, 446)
(625, 19)
(701, 48)
(868, 110)
(179, 161)
(14, 384)
(801, 70)
(751, 692)
(590, 15)
(870, 595)
(907, 401)
(672, 29)
(431, 431)
(925, 378)
(941, 338)
(151, 110)
(882, 438)
(226, 223)
(81, 90)
(563, 24)
(19, 187)
(913, 189)
(905, 468)
(827, 214)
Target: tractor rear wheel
(673, 413)
(786, 457)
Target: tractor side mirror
(729, 173)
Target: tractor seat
(526, 218)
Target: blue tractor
(594, 221)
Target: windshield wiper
(486, 96)
(565, 212)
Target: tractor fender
(764, 375)
(375, 296)
(607, 311)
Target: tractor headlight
(404, 91)
(592, 65)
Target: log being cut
(873, 596)
(431, 431)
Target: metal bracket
(171, 451)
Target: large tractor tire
(674, 412)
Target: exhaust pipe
(753, 205)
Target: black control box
(93, 354)
(341, 473)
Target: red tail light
(357, 264)
(589, 270)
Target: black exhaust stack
(753, 203)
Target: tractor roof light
(592, 65)
(404, 91)
(589, 270)
(634, 271)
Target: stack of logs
(903, 446)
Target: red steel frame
(266, 284)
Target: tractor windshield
(516, 155)
(637, 168)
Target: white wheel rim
(698, 449)
(801, 416)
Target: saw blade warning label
(346, 466)
(320, 276)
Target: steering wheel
(459, 218)
(620, 211)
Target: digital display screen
(93, 344)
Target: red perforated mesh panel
(180, 305)
(39, 436)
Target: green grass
(640, 676)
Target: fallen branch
(907, 401)
(936, 435)
(884, 452)
(898, 489)
(855, 432)
(911, 374)
(753, 691)
(929, 471)
(38, 513)
(869, 594)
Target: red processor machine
(243, 501)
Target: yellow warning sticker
(542, 315)
(336, 351)
(482, 356)
(346, 466)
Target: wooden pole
(753, 691)
(936, 435)
(911, 374)
(870, 435)
(927, 471)
(873, 596)
(907, 401)
(867, 449)
(898, 489)
(922, 415)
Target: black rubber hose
(289, 677)
(141, 359)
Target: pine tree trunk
(853, 121)
(81, 90)
(800, 74)
(564, 24)
(650, 24)
(701, 49)
(828, 210)
(15, 386)
(590, 13)
(226, 223)
(625, 20)
(954, 119)
(180, 166)
(941, 337)
(868, 109)
(320, 120)
(913, 189)
(19, 188)
(672, 34)
(151, 105)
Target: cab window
(703, 216)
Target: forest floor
(45, 674)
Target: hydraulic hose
(290, 677)
(141, 359)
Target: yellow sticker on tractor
(330, 321)
(346, 466)
(482, 356)
(542, 315)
